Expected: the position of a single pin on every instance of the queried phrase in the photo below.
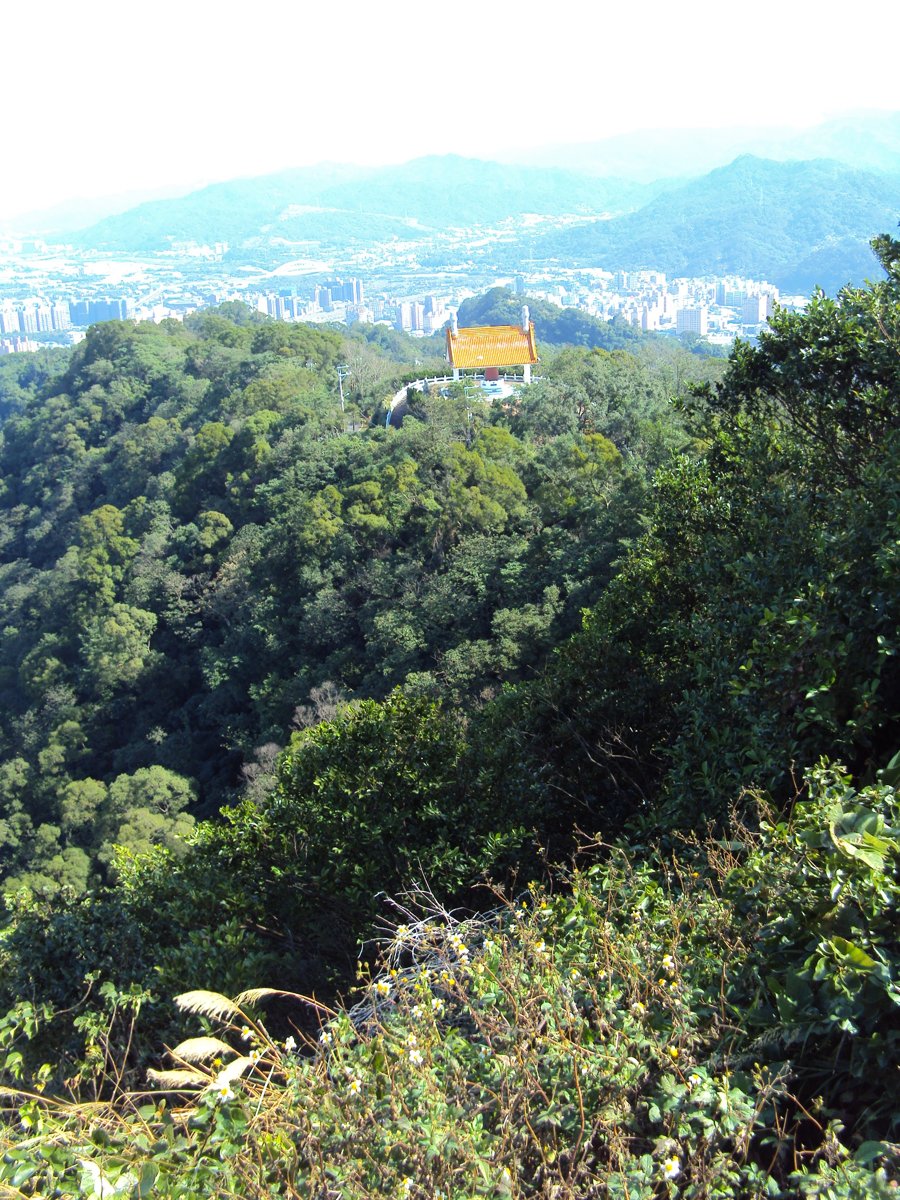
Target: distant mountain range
(868, 140)
(330, 203)
(797, 223)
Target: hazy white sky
(106, 96)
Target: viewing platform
(500, 388)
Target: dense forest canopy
(592, 622)
(196, 538)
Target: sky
(112, 97)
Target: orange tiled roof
(492, 346)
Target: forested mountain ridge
(797, 224)
(196, 537)
(706, 1003)
(552, 325)
(334, 204)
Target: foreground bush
(719, 1023)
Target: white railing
(429, 380)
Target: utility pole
(342, 372)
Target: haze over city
(124, 100)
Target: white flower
(355, 1086)
(224, 1093)
(415, 1057)
(671, 1168)
(102, 1188)
(459, 947)
(246, 1033)
(290, 1044)
(383, 987)
(326, 1037)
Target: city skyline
(123, 100)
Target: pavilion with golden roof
(486, 348)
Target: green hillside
(552, 325)
(798, 224)
(332, 204)
(600, 904)
(789, 223)
(196, 539)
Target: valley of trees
(580, 716)
(196, 541)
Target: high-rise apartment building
(692, 320)
(754, 310)
(9, 321)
